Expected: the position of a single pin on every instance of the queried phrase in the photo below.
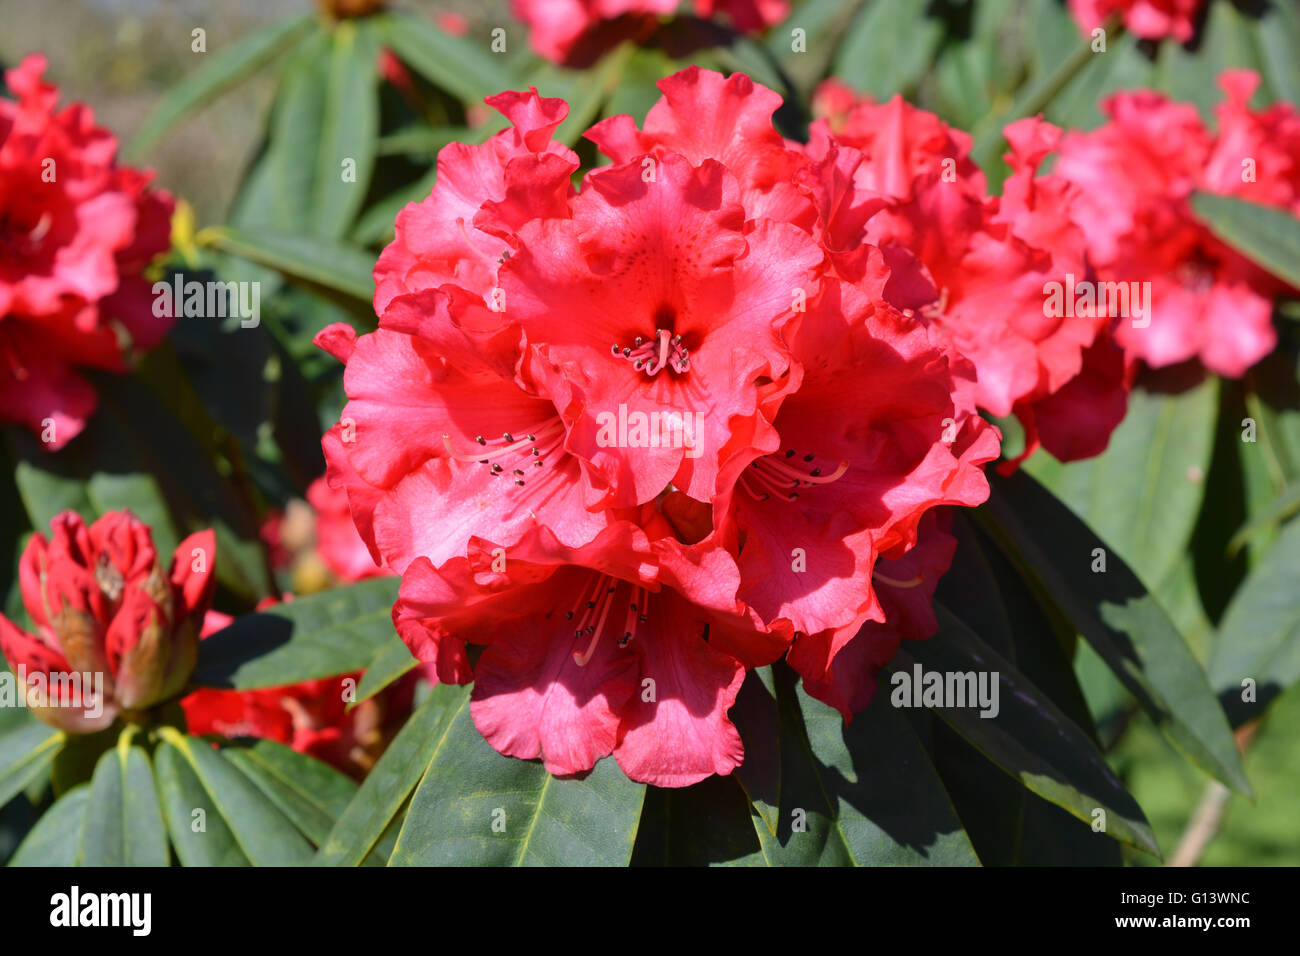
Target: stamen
(775, 474)
(894, 582)
(510, 446)
(600, 608)
(664, 350)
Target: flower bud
(113, 630)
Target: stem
(1206, 819)
(1035, 97)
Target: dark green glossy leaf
(1028, 736)
(311, 794)
(199, 834)
(322, 635)
(708, 824)
(865, 794)
(53, 841)
(27, 748)
(1277, 37)
(123, 824)
(391, 661)
(251, 825)
(1118, 616)
(1269, 237)
(476, 807)
(1143, 493)
(362, 825)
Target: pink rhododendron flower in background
(1135, 177)
(977, 265)
(316, 542)
(337, 542)
(1149, 19)
(76, 231)
(578, 32)
(102, 603)
(487, 454)
(311, 717)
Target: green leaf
(1225, 40)
(198, 832)
(1077, 103)
(315, 262)
(1117, 615)
(135, 454)
(220, 72)
(90, 477)
(1277, 37)
(390, 663)
(1143, 493)
(1260, 634)
(758, 719)
(459, 65)
(1282, 507)
(322, 635)
(53, 841)
(1036, 96)
(1007, 823)
(865, 794)
(27, 747)
(251, 825)
(1028, 737)
(823, 23)
(888, 47)
(311, 794)
(708, 824)
(365, 820)
(1267, 236)
(123, 824)
(477, 807)
(328, 103)
(422, 141)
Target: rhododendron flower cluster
(577, 32)
(641, 435)
(107, 614)
(978, 265)
(1149, 19)
(1135, 176)
(76, 231)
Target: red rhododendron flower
(1149, 19)
(577, 32)
(76, 230)
(979, 266)
(312, 717)
(849, 658)
(594, 422)
(103, 607)
(1136, 175)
